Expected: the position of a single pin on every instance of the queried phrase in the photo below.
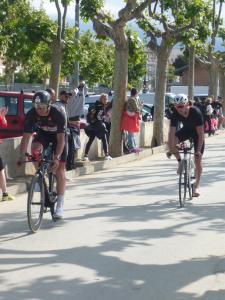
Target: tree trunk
(191, 73)
(10, 69)
(56, 65)
(222, 87)
(163, 53)
(119, 97)
(76, 42)
(213, 78)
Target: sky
(111, 5)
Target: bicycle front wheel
(52, 193)
(191, 178)
(183, 182)
(35, 203)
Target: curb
(18, 186)
(96, 166)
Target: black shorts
(184, 134)
(45, 138)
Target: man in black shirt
(193, 127)
(50, 125)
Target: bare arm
(172, 141)
(24, 142)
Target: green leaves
(137, 59)
(90, 8)
(96, 57)
(22, 32)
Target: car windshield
(11, 103)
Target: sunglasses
(41, 106)
(180, 106)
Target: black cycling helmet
(42, 97)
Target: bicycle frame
(185, 175)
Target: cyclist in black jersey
(193, 127)
(50, 125)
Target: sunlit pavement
(123, 237)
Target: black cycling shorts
(45, 138)
(184, 134)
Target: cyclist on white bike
(192, 127)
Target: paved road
(123, 237)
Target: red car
(18, 103)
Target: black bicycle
(186, 172)
(42, 194)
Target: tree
(213, 66)
(115, 29)
(58, 43)
(96, 56)
(137, 60)
(179, 64)
(38, 66)
(21, 33)
(175, 19)
(221, 65)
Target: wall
(201, 76)
(10, 149)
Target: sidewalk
(20, 185)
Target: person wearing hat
(76, 103)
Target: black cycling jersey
(193, 119)
(53, 123)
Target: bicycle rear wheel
(35, 203)
(183, 181)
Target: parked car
(18, 103)
(146, 112)
(149, 98)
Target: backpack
(91, 115)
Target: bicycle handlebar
(32, 158)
